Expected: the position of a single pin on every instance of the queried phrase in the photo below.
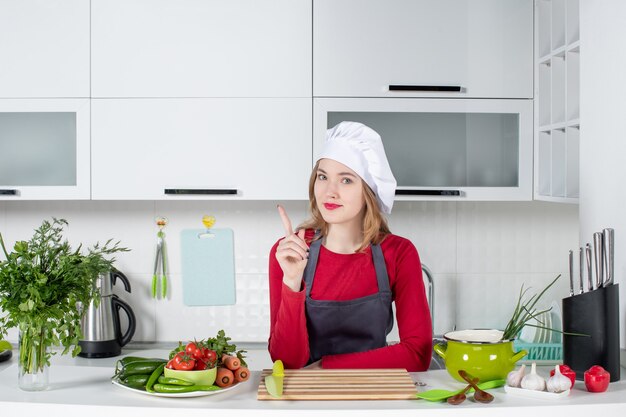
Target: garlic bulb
(533, 381)
(514, 378)
(558, 382)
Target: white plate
(529, 332)
(547, 322)
(529, 393)
(180, 395)
(556, 322)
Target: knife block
(594, 313)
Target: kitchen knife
(599, 257)
(608, 236)
(589, 268)
(581, 267)
(571, 273)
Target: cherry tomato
(183, 362)
(201, 365)
(192, 350)
(209, 355)
(568, 372)
(597, 379)
(170, 364)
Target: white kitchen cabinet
(44, 149)
(44, 48)
(557, 104)
(444, 149)
(362, 48)
(201, 48)
(220, 148)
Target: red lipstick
(330, 206)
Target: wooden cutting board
(342, 384)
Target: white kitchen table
(82, 387)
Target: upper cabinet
(201, 48)
(44, 149)
(44, 48)
(423, 48)
(452, 149)
(206, 148)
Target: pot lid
(476, 336)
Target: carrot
(224, 377)
(242, 374)
(231, 362)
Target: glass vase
(32, 362)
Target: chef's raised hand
(292, 253)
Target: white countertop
(82, 387)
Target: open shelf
(557, 100)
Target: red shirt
(345, 277)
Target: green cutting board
(208, 267)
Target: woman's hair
(375, 227)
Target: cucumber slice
(274, 385)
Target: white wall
(602, 136)
(480, 254)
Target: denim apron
(347, 326)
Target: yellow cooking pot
(480, 352)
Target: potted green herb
(41, 283)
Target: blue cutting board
(208, 267)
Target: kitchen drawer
(44, 149)
(362, 47)
(444, 149)
(201, 48)
(229, 148)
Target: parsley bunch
(41, 283)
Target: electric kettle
(102, 334)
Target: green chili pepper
(174, 381)
(153, 378)
(139, 368)
(130, 359)
(135, 381)
(178, 389)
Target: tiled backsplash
(479, 252)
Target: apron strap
(311, 265)
(381, 269)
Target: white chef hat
(361, 149)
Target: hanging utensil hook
(160, 261)
(208, 222)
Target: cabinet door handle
(9, 192)
(200, 191)
(443, 193)
(436, 88)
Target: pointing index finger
(285, 219)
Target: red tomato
(192, 350)
(209, 355)
(201, 365)
(183, 362)
(597, 379)
(170, 364)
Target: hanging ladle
(479, 395)
(460, 397)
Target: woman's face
(338, 192)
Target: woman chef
(332, 281)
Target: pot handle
(519, 355)
(118, 304)
(440, 348)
